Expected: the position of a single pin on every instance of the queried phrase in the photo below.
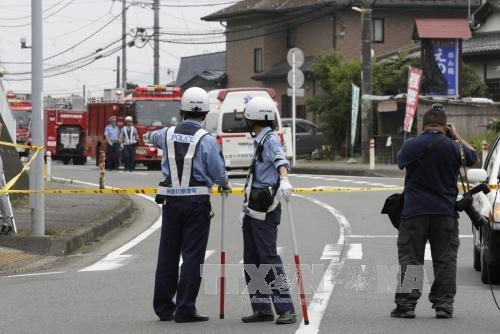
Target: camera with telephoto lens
(465, 204)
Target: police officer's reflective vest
(181, 143)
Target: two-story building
(259, 34)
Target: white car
(487, 237)
(226, 122)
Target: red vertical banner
(414, 79)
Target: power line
(29, 16)
(46, 17)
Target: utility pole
(118, 72)
(124, 45)
(366, 85)
(37, 200)
(156, 36)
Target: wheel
(484, 268)
(80, 161)
(66, 161)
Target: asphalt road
(347, 248)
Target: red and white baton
(222, 290)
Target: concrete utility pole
(37, 201)
(366, 85)
(118, 72)
(156, 56)
(124, 45)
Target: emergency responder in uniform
(191, 164)
(128, 141)
(432, 162)
(267, 183)
(111, 133)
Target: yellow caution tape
(13, 181)
(215, 191)
(31, 147)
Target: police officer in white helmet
(128, 140)
(267, 183)
(191, 164)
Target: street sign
(298, 92)
(299, 78)
(299, 57)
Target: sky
(67, 22)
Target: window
(494, 89)
(290, 35)
(234, 123)
(257, 60)
(378, 30)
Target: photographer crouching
(432, 161)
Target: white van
(226, 122)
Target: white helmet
(128, 119)
(196, 100)
(260, 109)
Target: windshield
(23, 118)
(157, 113)
(232, 124)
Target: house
(207, 71)
(482, 52)
(259, 34)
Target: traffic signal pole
(156, 56)
(124, 45)
(37, 200)
(366, 84)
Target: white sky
(83, 17)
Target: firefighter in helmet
(191, 164)
(267, 183)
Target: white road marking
(354, 252)
(326, 178)
(331, 251)
(207, 255)
(427, 256)
(395, 236)
(36, 274)
(317, 307)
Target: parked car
(486, 239)
(225, 121)
(309, 137)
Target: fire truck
(21, 110)
(65, 135)
(152, 108)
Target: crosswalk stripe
(354, 252)
(428, 256)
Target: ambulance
(226, 122)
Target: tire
(476, 255)
(484, 269)
(80, 161)
(66, 161)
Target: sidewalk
(71, 222)
(341, 167)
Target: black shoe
(403, 313)
(192, 318)
(259, 316)
(167, 318)
(443, 314)
(287, 317)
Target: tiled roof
(246, 7)
(482, 43)
(281, 69)
(196, 65)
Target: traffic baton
(222, 257)
(297, 263)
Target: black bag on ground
(393, 207)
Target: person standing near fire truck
(128, 141)
(192, 163)
(111, 133)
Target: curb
(347, 172)
(79, 238)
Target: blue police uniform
(112, 132)
(260, 236)
(129, 139)
(186, 218)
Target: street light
(366, 80)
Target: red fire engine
(65, 135)
(21, 109)
(151, 108)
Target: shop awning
(442, 28)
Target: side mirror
(477, 175)
(237, 116)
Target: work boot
(443, 314)
(403, 313)
(287, 317)
(259, 316)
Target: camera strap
(462, 165)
